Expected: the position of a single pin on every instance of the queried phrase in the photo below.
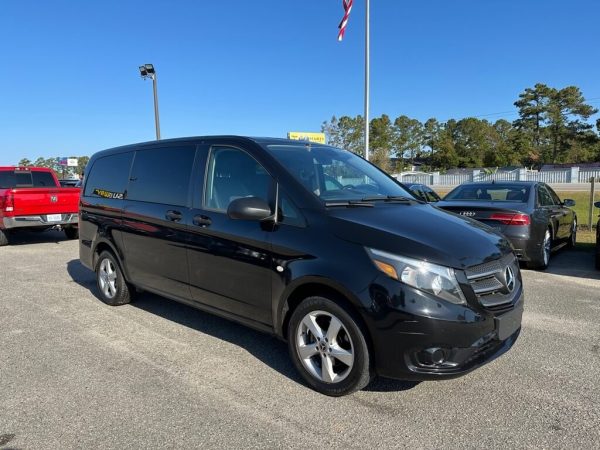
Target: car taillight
(511, 219)
(9, 202)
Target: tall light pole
(147, 71)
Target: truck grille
(496, 284)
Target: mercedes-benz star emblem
(509, 276)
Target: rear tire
(598, 255)
(540, 261)
(573, 237)
(113, 288)
(3, 238)
(328, 347)
(72, 232)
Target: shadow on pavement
(268, 349)
(25, 237)
(578, 262)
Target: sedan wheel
(541, 260)
(573, 237)
(547, 248)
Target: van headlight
(427, 277)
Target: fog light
(434, 356)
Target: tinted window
(7, 179)
(554, 196)
(544, 197)
(23, 179)
(430, 195)
(416, 191)
(490, 192)
(288, 213)
(162, 175)
(43, 179)
(232, 174)
(108, 177)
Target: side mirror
(569, 203)
(249, 208)
(597, 204)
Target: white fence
(571, 175)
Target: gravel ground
(75, 373)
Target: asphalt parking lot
(77, 373)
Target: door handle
(202, 220)
(173, 216)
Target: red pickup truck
(32, 198)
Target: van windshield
(333, 174)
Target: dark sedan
(529, 213)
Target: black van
(308, 242)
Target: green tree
(25, 162)
(346, 132)
(567, 120)
(380, 142)
(408, 137)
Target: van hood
(420, 232)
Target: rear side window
(108, 177)
(42, 179)
(162, 175)
(545, 198)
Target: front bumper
(410, 326)
(39, 221)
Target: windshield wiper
(390, 198)
(349, 203)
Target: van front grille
(496, 283)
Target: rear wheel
(540, 262)
(328, 347)
(72, 232)
(573, 237)
(113, 288)
(3, 238)
(597, 255)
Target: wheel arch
(316, 286)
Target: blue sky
(69, 83)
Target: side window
(544, 197)
(430, 195)
(288, 213)
(162, 175)
(554, 196)
(232, 174)
(108, 177)
(43, 179)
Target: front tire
(540, 262)
(328, 347)
(112, 286)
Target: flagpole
(367, 80)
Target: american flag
(342, 26)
